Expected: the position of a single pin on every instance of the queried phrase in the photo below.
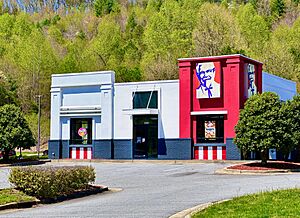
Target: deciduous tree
(167, 37)
(15, 131)
(254, 29)
(215, 30)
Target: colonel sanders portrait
(208, 87)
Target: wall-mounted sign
(210, 129)
(82, 132)
(208, 76)
(250, 75)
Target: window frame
(151, 94)
(200, 129)
(74, 132)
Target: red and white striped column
(210, 152)
(81, 153)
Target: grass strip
(13, 195)
(280, 203)
(25, 158)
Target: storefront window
(81, 131)
(210, 129)
(145, 99)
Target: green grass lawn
(284, 203)
(26, 156)
(27, 153)
(12, 195)
(31, 155)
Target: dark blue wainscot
(232, 151)
(123, 149)
(175, 149)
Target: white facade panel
(107, 112)
(65, 128)
(55, 127)
(123, 122)
(79, 96)
(168, 107)
(82, 79)
(82, 95)
(169, 111)
(97, 127)
(110, 105)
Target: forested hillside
(139, 40)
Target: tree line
(139, 40)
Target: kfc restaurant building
(92, 117)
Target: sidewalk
(151, 161)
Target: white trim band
(140, 111)
(80, 110)
(207, 112)
(80, 115)
(72, 108)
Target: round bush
(51, 182)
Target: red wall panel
(232, 99)
(185, 98)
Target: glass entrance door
(145, 136)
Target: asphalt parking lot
(155, 189)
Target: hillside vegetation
(139, 40)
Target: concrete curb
(84, 193)
(249, 172)
(188, 213)
(27, 163)
(255, 172)
(17, 205)
(36, 162)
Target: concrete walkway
(156, 189)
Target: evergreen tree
(259, 127)
(290, 123)
(103, 7)
(277, 8)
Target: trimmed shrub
(259, 127)
(51, 182)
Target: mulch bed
(91, 190)
(22, 162)
(274, 165)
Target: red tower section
(212, 92)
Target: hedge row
(51, 182)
